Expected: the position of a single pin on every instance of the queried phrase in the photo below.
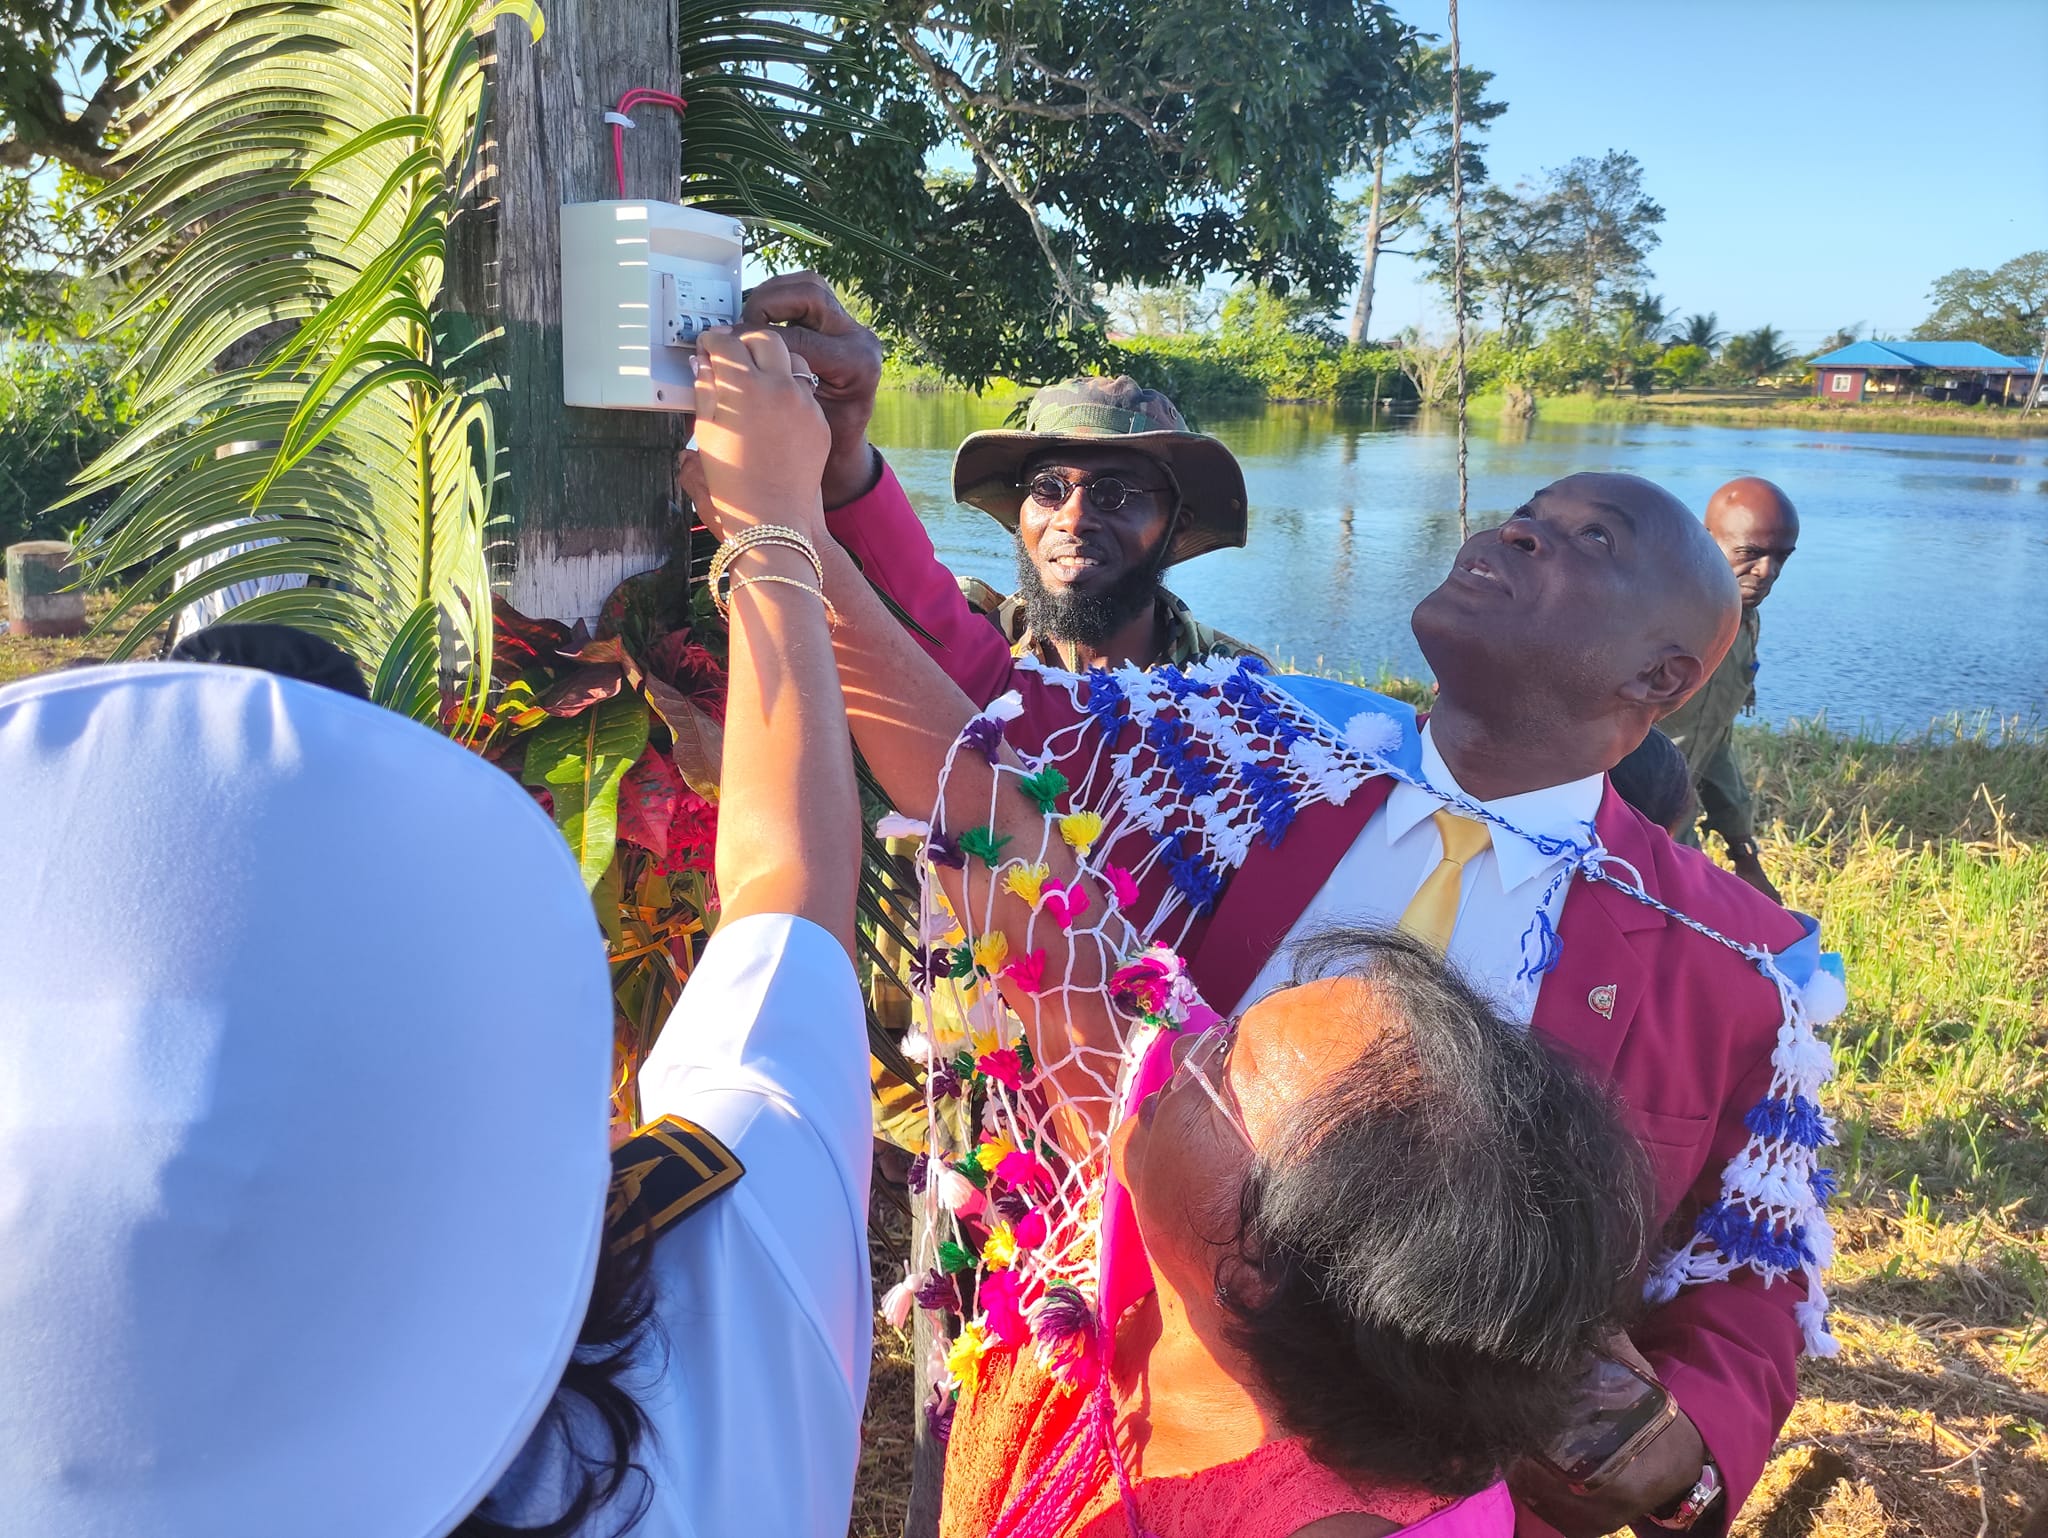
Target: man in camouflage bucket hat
(1104, 487)
(1141, 493)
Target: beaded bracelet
(747, 539)
(831, 614)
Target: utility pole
(2040, 366)
(587, 493)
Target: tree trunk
(587, 494)
(1369, 258)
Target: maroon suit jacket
(1683, 1028)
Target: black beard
(1085, 619)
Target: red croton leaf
(692, 833)
(518, 641)
(697, 742)
(665, 817)
(605, 649)
(685, 666)
(647, 802)
(580, 690)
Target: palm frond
(302, 161)
(744, 74)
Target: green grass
(21, 656)
(1763, 408)
(1926, 860)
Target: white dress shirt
(756, 1382)
(1502, 888)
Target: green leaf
(580, 760)
(297, 162)
(408, 679)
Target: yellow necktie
(1433, 912)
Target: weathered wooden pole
(588, 492)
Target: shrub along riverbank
(1266, 366)
(1287, 368)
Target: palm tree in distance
(1757, 353)
(1702, 331)
(1650, 316)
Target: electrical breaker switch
(641, 281)
(679, 328)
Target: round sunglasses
(1105, 493)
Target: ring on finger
(806, 376)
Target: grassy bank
(1763, 409)
(1211, 371)
(1927, 861)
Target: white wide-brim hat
(304, 1051)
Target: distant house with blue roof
(1964, 371)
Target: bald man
(1558, 640)
(1757, 530)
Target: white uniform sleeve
(767, 1051)
(763, 1300)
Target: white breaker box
(640, 282)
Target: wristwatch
(1694, 1504)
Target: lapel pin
(1602, 1000)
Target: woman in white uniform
(304, 1045)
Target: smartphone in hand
(1618, 1411)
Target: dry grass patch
(23, 656)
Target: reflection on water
(1917, 590)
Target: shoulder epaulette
(660, 1175)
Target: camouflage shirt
(1187, 638)
(1704, 729)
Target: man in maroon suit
(1557, 640)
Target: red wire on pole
(638, 96)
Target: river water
(1920, 588)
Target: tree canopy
(1757, 353)
(1118, 142)
(1410, 161)
(50, 52)
(1580, 239)
(2006, 308)
(59, 61)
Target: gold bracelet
(768, 534)
(831, 614)
(748, 539)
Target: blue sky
(1820, 162)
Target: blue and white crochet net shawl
(1228, 752)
